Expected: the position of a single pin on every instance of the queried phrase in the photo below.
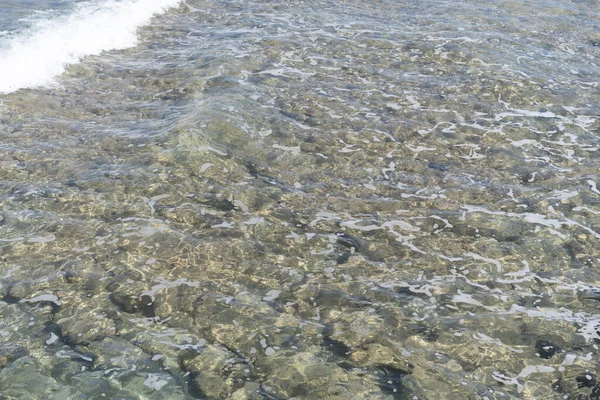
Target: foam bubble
(35, 57)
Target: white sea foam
(35, 57)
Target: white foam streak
(34, 58)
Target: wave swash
(35, 57)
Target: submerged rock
(216, 373)
(306, 376)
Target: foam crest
(35, 57)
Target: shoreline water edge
(318, 199)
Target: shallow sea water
(310, 200)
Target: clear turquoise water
(309, 200)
